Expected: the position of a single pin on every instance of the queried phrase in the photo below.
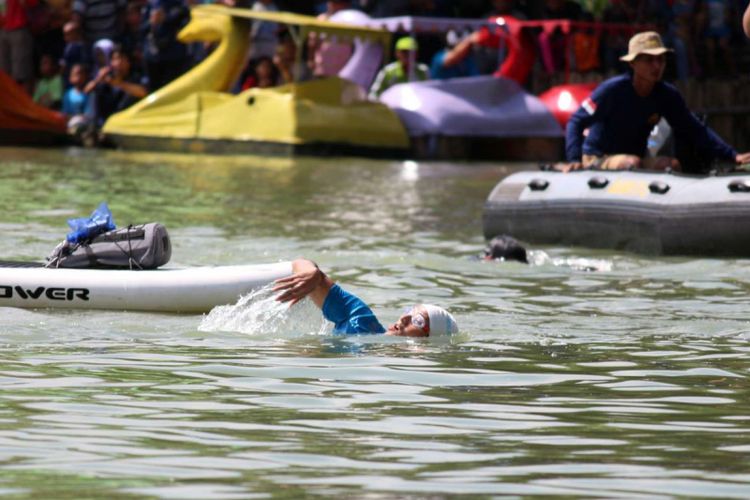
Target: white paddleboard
(184, 290)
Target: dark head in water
(504, 247)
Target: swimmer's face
(414, 323)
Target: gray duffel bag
(145, 246)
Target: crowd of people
(90, 58)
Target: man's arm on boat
(580, 121)
(686, 125)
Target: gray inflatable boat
(639, 211)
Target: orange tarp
(19, 112)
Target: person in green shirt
(49, 88)
(399, 71)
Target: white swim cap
(441, 321)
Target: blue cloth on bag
(84, 229)
(349, 313)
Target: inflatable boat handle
(658, 187)
(538, 184)
(598, 182)
(739, 186)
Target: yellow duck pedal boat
(196, 112)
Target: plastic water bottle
(658, 137)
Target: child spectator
(165, 57)
(115, 87)
(49, 87)
(261, 73)
(75, 51)
(76, 102)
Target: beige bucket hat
(648, 42)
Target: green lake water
(630, 381)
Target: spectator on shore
(400, 70)
(133, 36)
(456, 60)
(164, 56)
(623, 110)
(99, 19)
(115, 87)
(76, 101)
(489, 58)
(77, 104)
(717, 33)
(553, 44)
(263, 34)
(46, 19)
(260, 73)
(74, 52)
(328, 57)
(285, 60)
(17, 43)
(683, 30)
(615, 41)
(101, 54)
(48, 91)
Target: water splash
(258, 313)
(541, 258)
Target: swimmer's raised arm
(349, 313)
(306, 279)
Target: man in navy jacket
(623, 110)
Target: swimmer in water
(505, 248)
(350, 314)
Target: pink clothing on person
(330, 57)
